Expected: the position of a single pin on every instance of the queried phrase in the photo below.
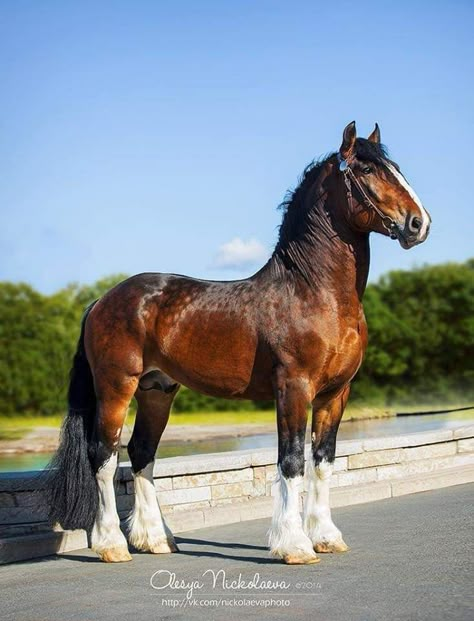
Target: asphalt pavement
(411, 558)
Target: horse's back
(201, 333)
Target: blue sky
(161, 136)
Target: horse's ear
(375, 135)
(348, 140)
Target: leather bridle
(349, 180)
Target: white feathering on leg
(106, 533)
(147, 528)
(286, 535)
(318, 523)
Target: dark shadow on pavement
(224, 544)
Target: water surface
(349, 430)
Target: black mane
(303, 221)
(292, 205)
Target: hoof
(165, 547)
(115, 555)
(327, 547)
(300, 559)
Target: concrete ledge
(222, 488)
(433, 480)
(24, 547)
(43, 544)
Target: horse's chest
(334, 353)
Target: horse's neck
(329, 255)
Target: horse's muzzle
(413, 232)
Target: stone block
(25, 547)
(466, 431)
(197, 464)
(163, 484)
(22, 481)
(179, 496)
(429, 451)
(121, 488)
(187, 506)
(182, 521)
(125, 503)
(466, 445)
(270, 473)
(254, 488)
(433, 480)
(18, 515)
(340, 464)
(370, 459)
(212, 478)
(358, 494)
(423, 466)
(409, 439)
(259, 473)
(348, 447)
(13, 530)
(220, 502)
(356, 477)
(264, 457)
(227, 490)
(29, 499)
(6, 500)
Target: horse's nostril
(415, 224)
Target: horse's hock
(221, 488)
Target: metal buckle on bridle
(349, 176)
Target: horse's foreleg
(318, 524)
(147, 528)
(287, 539)
(113, 397)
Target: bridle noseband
(350, 178)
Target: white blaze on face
(425, 218)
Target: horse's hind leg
(147, 528)
(114, 392)
(318, 524)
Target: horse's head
(378, 196)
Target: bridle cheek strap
(349, 180)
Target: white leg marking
(147, 528)
(106, 533)
(318, 523)
(286, 535)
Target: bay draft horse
(294, 332)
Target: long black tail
(71, 487)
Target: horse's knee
(292, 464)
(141, 452)
(291, 454)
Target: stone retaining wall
(221, 488)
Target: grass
(17, 427)
(12, 434)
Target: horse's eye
(367, 170)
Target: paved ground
(411, 559)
